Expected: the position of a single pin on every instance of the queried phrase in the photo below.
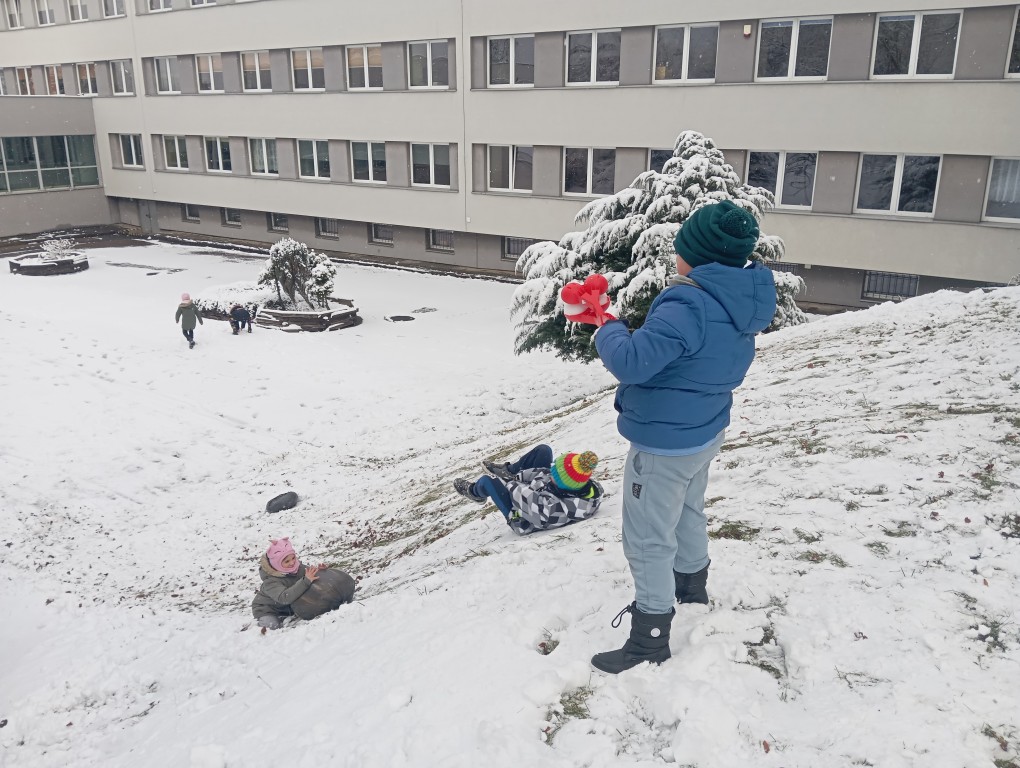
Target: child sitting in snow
(284, 580)
(535, 493)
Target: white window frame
(178, 142)
(685, 67)
(1014, 40)
(504, 250)
(122, 75)
(431, 244)
(320, 230)
(79, 8)
(226, 222)
(897, 181)
(261, 88)
(915, 46)
(58, 71)
(364, 67)
(28, 80)
(264, 144)
(432, 166)
(160, 6)
(593, 62)
(369, 145)
(781, 175)
(791, 63)
(428, 69)
(220, 141)
(137, 159)
(3, 85)
(375, 240)
(315, 159)
(186, 214)
(648, 158)
(17, 14)
(309, 69)
(169, 66)
(988, 192)
(45, 6)
(591, 170)
(512, 161)
(201, 3)
(91, 78)
(210, 59)
(115, 4)
(274, 226)
(513, 62)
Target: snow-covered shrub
(1013, 281)
(219, 299)
(58, 248)
(293, 270)
(788, 288)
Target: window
(513, 247)
(196, 3)
(364, 66)
(889, 285)
(921, 44)
(790, 176)
(190, 213)
(210, 73)
(44, 12)
(77, 10)
(217, 154)
(511, 60)
(47, 162)
(313, 159)
(54, 80)
(1004, 190)
(166, 74)
(430, 164)
(131, 150)
(685, 53)
(441, 240)
(231, 217)
(898, 183)
(368, 161)
(782, 266)
(329, 228)
(123, 77)
(160, 5)
(278, 222)
(794, 48)
(175, 150)
(589, 171)
(26, 85)
(263, 156)
(3, 84)
(113, 8)
(309, 69)
(1013, 68)
(380, 234)
(657, 158)
(86, 73)
(256, 72)
(15, 18)
(602, 67)
(429, 64)
(510, 168)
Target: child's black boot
(692, 587)
(648, 641)
(466, 489)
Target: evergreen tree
(296, 270)
(629, 239)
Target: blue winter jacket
(678, 371)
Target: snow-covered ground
(865, 576)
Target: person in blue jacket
(677, 374)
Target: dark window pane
(421, 167)
(52, 152)
(1014, 58)
(892, 49)
(607, 64)
(889, 285)
(524, 61)
(763, 170)
(20, 154)
(936, 52)
(249, 72)
(20, 180)
(306, 158)
(917, 189)
(356, 67)
(322, 153)
(603, 171)
(877, 175)
(1004, 190)
(82, 151)
(669, 53)
(359, 153)
(225, 154)
(579, 58)
(499, 62)
(265, 73)
(523, 162)
(798, 178)
(813, 48)
(657, 158)
(379, 161)
(441, 154)
(56, 179)
(301, 79)
(701, 56)
(85, 177)
(418, 54)
(375, 66)
(575, 170)
(774, 49)
(440, 64)
(499, 167)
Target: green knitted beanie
(723, 232)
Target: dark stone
(282, 502)
(328, 592)
(399, 318)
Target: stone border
(77, 262)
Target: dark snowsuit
(278, 590)
(240, 318)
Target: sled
(328, 592)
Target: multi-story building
(458, 131)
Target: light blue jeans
(664, 524)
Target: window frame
(791, 64)
(321, 232)
(432, 243)
(915, 45)
(432, 165)
(503, 247)
(262, 88)
(593, 61)
(164, 6)
(988, 192)
(135, 141)
(40, 172)
(310, 70)
(58, 70)
(591, 170)
(28, 81)
(877, 296)
(178, 142)
(893, 210)
(209, 60)
(225, 217)
(781, 176)
(82, 9)
(173, 82)
(3, 84)
(686, 54)
(126, 68)
(430, 85)
(513, 61)
(274, 225)
(1014, 42)
(220, 141)
(365, 68)
(91, 78)
(374, 239)
(114, 3)
(649, 165)
(18, 13)
(264, 143)
(50, 13)
(512, 164)
(315, 160)
(186, 214)
(202, 3)
(370, 145)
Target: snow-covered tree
(293, 269)
(629, 239)
(58, 248)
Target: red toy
(587, 302)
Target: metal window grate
(381, 234)
(328, 227)
(190, 212)
(513, 247)
(278, 222)
(778, 266)
(441, 239)
(889, 285)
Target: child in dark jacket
(535, 492)
(284, 580)
(240, 318)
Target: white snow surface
(864, 595)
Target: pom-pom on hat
(723, 232)
(572, 471)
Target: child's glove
(587, 302)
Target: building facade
(458, 131)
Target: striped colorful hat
(572, 471)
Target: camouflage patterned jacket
(540, 504)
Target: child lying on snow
(535, 492)
(285, 580)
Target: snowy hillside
(866, 553)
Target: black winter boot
(502, 471)
(648, 641)
(692, 587)
(466, 489)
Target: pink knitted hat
(185, 297)
(279, 549)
